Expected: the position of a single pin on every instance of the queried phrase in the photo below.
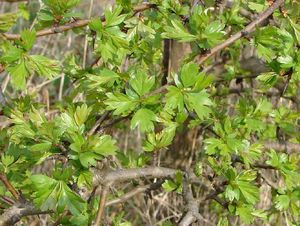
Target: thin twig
(134, 192)
(12, 1)
(101, 206)
(99, 122)
(9, 186)
(248, 29)
(86, 37)
(75, 24)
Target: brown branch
(120, 175)
(15, 213)
(192, 213)
(7, 200)
(9, 186)
(287, 147)
(135, 173)
(248, 29)
(165, 63)
(99, 122)
(12, 1)
(75, 24)
(101, 206)
(134, 192)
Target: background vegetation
(161, 112)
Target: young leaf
(178, 32)
(141, 83)
(27, 39)
(55, 195)
(18, 74)
(200, 103)
(143, 118)
(189, 74)
(120, 103)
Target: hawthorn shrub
(164, 112)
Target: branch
(11, 1)
(101, 206)
(288, 147)
(9, 186)
(193, 208)
(75, 24)
(248, 29)
(14, 214)
(135, 192)
(135, 173)
(120, 175)
(166, 59)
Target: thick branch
(248, 29)
(112, 177)
(192, 206)
(14, 214)
(165, 63)
(288, 147)
(129, 174)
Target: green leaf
(143, 118)
(232, 193)
(104, 145)
(120, 103)
(178, 32)
(268, 79)
(141, 83)
(286, 61)
(27, 39)
(113, 18)
(12, 54)
(256, 6)
(81, 114)
(296, 28)
(18, 74)
(249, 191)
(44, 66)
(96, 25)
(282, 202)
(88, 159)
(7, 20)
(7, 160)
(245, 213)
(55, 195)
(213, 33)
(169, 186)
(189, 74)
(200, 103)
(42, 147)
(174, 98)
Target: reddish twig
(9, 186)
